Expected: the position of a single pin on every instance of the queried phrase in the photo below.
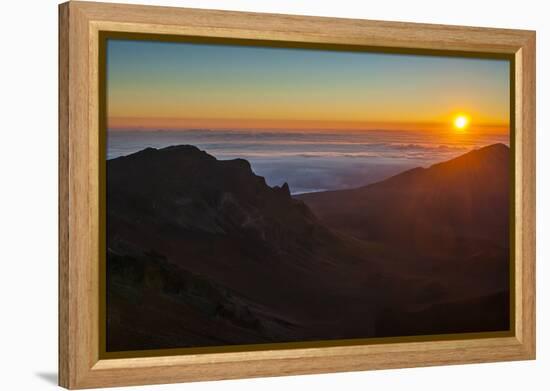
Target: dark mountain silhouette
(202, 252)
(448, 224)
(462, 200)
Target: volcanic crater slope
(202, 252)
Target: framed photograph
(247, 195)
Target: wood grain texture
(63, 178)
(526, 191)
(79, 154)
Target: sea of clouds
(312, 161)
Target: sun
(461, 122)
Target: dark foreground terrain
(202, 252)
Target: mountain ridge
(189, 219)
(493, 148)
(448, 195)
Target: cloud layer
(312, 161)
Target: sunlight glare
(461, 122)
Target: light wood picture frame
(81, 171)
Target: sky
(160, 85)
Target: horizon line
(301, 126)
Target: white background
(28, 194)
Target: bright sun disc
(461, 122)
